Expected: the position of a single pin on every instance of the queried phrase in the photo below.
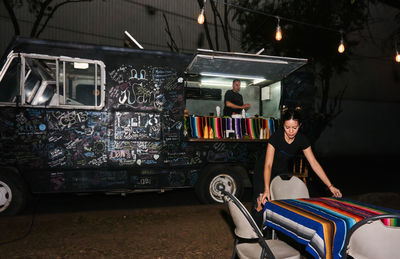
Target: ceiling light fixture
(232, 76)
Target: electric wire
(29, 230)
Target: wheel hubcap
(222, 182)
(5, 196)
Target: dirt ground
(136, 226)
(169, 225)
(109, 227)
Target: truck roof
(203, 63)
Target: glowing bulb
(200, 18)
(341, 47)
(397, 57)
(278, 34)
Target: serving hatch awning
(243, 65)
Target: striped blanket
(215, 127)
(320, 223)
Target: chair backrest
(300, 168)
(288, 187)
(245, 226)
(370, 238)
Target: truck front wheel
(215, 179)
(12, 195)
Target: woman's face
(291, 128)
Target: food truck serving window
(53, 82)
(211, 73)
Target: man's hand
(246, 106)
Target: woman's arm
(269, 159)
(308, 153)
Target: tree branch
(171, 45)
(39, 16)
(10, 10)
(54, 9)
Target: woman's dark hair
(291, 114)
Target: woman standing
(283, 145)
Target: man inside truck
(233, 100)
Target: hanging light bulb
(341, 45)
(200, 18)
(278, 34)
(397, 57)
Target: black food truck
(80, 118)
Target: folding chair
(371, 239)
(287, 187)
(249, 240)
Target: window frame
(59, 61)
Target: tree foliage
(311, 29)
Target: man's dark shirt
(234, 98)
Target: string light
(201, 18)
(278, 34)
(341, 45)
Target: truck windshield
(55, 82)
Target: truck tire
(214, 179)
(12, 194)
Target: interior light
(278, 34)
(220, 83)
(232, 76)
(81, 65)
(257, 81)
(261, 60)
(397, 57)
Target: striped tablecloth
(320, 223)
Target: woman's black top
(284, 152)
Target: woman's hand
(260, 204)
(335, 191)
(265, 196)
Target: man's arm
(234, 106)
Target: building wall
(104, 22)
(372, 97)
